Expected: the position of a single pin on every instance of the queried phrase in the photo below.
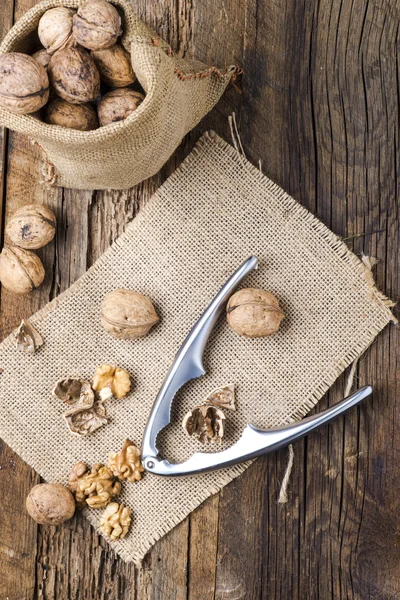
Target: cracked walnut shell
(127, 315)
(27, 338)
(95, 488)
(97, 25)
(21, 271)
(84, 421)
(55, 28)
(115, 521)
(206, 423)
(127, 464)
(111, 381)
(75, 392)
(32, 226)
(254, 313)
(24, 85)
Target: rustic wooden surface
(320, 109)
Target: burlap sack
(217, 209)
(178, 94)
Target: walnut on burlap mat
(211, 214)
(179, 92)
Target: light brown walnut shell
(127, 463)
(50, 504)
(21, 271)
(127, 315)
(114, 66)
(42, 57)
(97, 25)
(84, 421)
(74, 75)
(95, 488)
(32, 226)
(115, 521)
(75, 392)
(73, 116)
(55, 28)
(118, 105)
(254, 313)
(24, 85)
(27, 339)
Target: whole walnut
(254, 313)
(50, 504)
(55, 28)
(42, 57)
(97, 25)
(114, 65)
(127, 315)
(117, 105)
(21, 271)
(73, 116)
(74, 75)
(32, 226)
(24, 85)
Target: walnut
(73, 116)
(27, 338)
(21, 271)
(206, 423)
(97, 25)
(74, 75)
(50, 504)
(118, 105)
(127, 315)
(222, 397)
(32, 226)
(127, 464)
(254, 313)
(111, 381)
(24, 85)
(115, 521)
(94, 488)
(84, 421)
(55, 28)
(77, 393)
(114, 66)
(42, 57)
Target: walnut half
(115, 521)
(127, 463)
(111, 381)
(206, 423)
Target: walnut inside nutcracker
(206, 423)
(97, 25)
(95, 488)
(127, 464)
(115, 521)
(32, 226)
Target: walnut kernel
(127, 464)
(115, 521)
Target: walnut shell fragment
(254, 313)
(21, 271)
(223, 397)
(74, 75)
(75, 392)
(127, 464)
(95, 488)
(97, 25)
(115, 521)
(114, 66)
(32, 226)
(84, 421)
(206, 423)
(127, 315)
(117, 105)
(55, 28)
(24, 85)
(82, 117)
(111, 381)
(28, 340)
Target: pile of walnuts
(81, 78)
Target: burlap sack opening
(178, 94)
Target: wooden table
(320, 109)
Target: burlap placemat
(211, 214)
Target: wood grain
(320, 109)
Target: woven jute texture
(178, 94)
(210, 215)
